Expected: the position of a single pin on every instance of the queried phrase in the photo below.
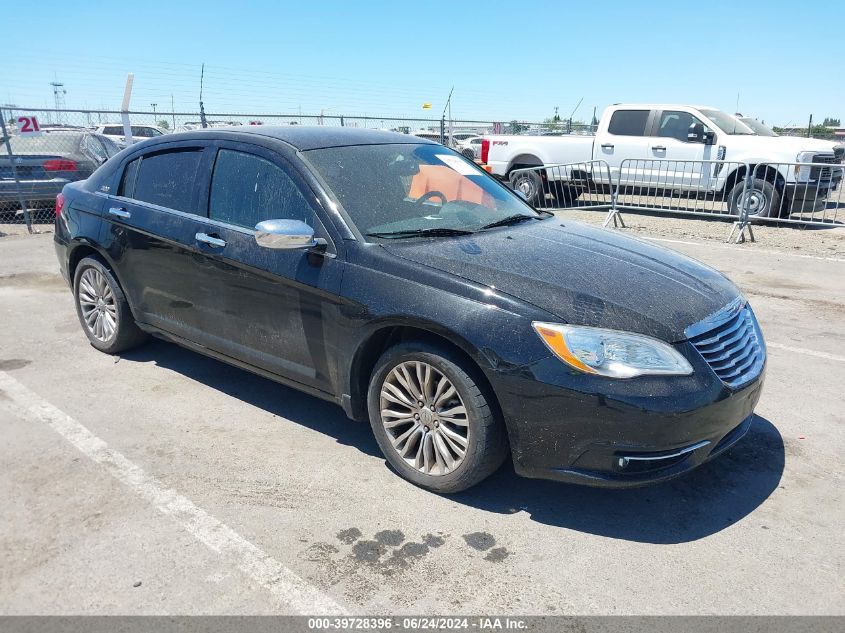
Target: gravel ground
(817, 242)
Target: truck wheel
(530, 184)
(764, 199)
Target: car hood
(780, 144)
(582, 275)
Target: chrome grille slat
(734, 347)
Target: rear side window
(114, 130)
(167, 179)
(246, 190)
(628, 122)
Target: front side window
(246, 190)
(628, 122)
(113, 130)
(167, 179)
(400, 188)
(675, 124)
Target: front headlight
(611, 353)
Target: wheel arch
(81, 249)
(388, 333)
(523, 160)
(768, 172)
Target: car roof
(662, 106)
(302, 137)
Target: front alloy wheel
(425, 418)
(434, 416)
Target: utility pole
(449, 108)
(203, 122)
(810, 127)
(173, 111)
(59, 93)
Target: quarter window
(246, 190)
(167, 179)
(127, 181)
(628, 122)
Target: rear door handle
(607, 145)
(120, 212)
(204, 238)
(659, 148)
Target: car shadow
(698, 504)
(275, 398)
(705, 501)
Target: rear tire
(458, 426)
(529, 184)
(103, 310)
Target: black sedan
(394, 277)
(46, 163)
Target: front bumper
(570, 427)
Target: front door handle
(607, 145)
(120, 212)
(204, 238)
(659, 148)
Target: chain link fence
(44, 149)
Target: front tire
(432, 419)
(764, 201)
(102, 308)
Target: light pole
(154, 112)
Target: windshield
(401, 190)
(759, 128)
(727, 123)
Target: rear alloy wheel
(431, 419)
(102, 308)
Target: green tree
(517, 127)
(830, 122)
(164, 125)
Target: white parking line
(294, 593)
(808, 352)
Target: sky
(506, 60)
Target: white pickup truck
(637, 140)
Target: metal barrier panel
(566, 186)
(699, 187)
(798, 193)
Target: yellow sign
(426, 106)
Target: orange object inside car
(450, 183)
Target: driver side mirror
(286, 235)
(697, 134)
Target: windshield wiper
(433, 232)
(507, 221)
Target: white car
(115, 132)
(631, 138)
(470, 147)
